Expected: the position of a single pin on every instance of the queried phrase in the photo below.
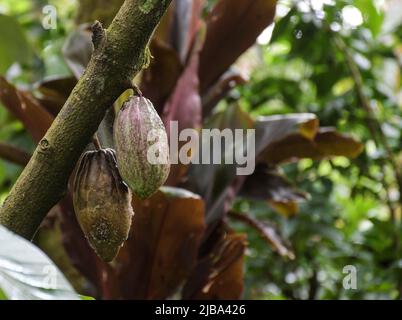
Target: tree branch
(14, 154)
(120, 53)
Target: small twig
(14, 154)
(136, 90)
(267, 232)
(96, 142)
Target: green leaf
(3, 295)
(13, 44)
(372, 16)
(26, 273)
(283, 25)
(86, 297)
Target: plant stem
(120, 52)
(96, 142)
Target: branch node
(98, 34)
(44, 145)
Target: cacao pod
(102, 203)
(142, 147)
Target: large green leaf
(13, 44)
(26, 273)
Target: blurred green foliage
(30, 54)
(353, 217)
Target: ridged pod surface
(102, 203)
(138, 133)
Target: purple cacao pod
(142, 147)
(102, 203)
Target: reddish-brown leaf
(163, 245)
(219, 275)
(196, 22)
(49, 239)
(80, 253)
(182, 24)
(25, 108)
(232, 27)
(163, 31)
(326, 143)
(78, 49)
(179, 26)
(184, 105)
(212, 180)
(159, 80)
(266, 184)
(54, 92)
(288, 208)
(275, 128)
(13, 154)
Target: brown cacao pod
(102, 203)
(142, 147)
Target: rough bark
(120, 53)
